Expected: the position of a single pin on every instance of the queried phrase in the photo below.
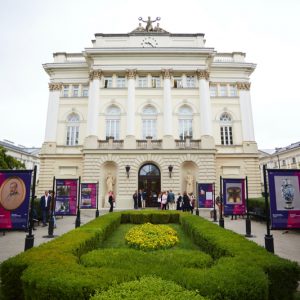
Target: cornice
(53, 86)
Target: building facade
(152, 110)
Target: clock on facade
(149, 41)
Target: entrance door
(149, 181)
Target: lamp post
(248, 220)
(77, 221)
(269, 242)
(127, 168)
(221, 219)
(97, 209)
(29, 240)
(197, 199)
(170, 167)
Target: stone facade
(149, 98)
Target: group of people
(139, 199)
(184, 202)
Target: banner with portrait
(88, 197)
(205, 195)
(234, 196)
(66, 196)
(14, 198)
(284, 187)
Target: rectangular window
(149, 128)
(294, 160)
(190, 81)
(185, 128)
(75, 90)
(72, 135)
(156, 82)
(213, 90)
(223, 90)
(143, 82)
(233, 90)
(121, 82)
(226, 135)
(107, 82)
(66, 91)
(283, 163)
(178, 83)
(113, 128)
(85, 91)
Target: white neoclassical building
(149, 108)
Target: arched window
(72, 129)
(149, 121)
(185, 122)
(226, 129)
(113, 114)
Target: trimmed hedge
(67, 268)
(149, 288)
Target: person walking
(111, 201)
(45, 207)
(135, 200)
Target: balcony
(110, 143)
(148, 143)
(188, 143)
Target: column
(167, 122)
(246, 111)
(52, 113)
(93, 103)
(205, 105)
(130, 130)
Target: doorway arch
(150, 181)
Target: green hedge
(69, 267)
(148, 287)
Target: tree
(8, 162)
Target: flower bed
(151, 237)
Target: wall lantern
(127, 168)
(170, 167)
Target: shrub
(148, 287)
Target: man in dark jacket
(45, 207)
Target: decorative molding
(167, 73)
(55, 86)
(202, 74)
(95, 74)
(131, 73)
(243, 86)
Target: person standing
(135, 200)
(111, 201)
(140, 196)
(171, 200)
(164, 200)
(179, 202)
(186, 202)
(192, 202)
(45, 207)
(144, 196)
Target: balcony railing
(111, 143)
(148, 143)
(188, 143)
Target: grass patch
(117, 238)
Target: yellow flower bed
(151, 237)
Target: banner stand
(97, 210)
(197, 197)
(269, 242)
(29, 240)
(248, 220)
(77, 221)
(214, 198)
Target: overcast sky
(268, 31)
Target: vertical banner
(205, 195)
(14, 198)
(234, 196)
(66, 196)
(284, 187)
(88, 195)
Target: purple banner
(234, 196)
(284, 187)
(88, 195)
(66, 196)
(14, 199)
(205, 195)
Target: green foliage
(258, 206)
(150, 288)
(8, 162)
(69, 267)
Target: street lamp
(170, 167)
(127, 168)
